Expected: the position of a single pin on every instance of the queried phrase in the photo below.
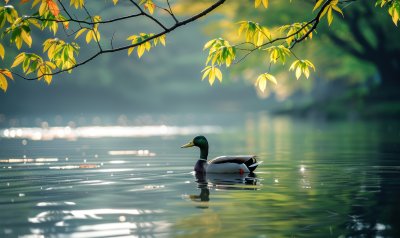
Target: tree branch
(84, 22)
(165, 31)
(147, 15)
(315, 21)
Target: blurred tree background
(357, 60)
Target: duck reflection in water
(205, 182)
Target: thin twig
(147, 15)
(171, 12)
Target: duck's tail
(252, 163)
(254, 166)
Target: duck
(223, 164)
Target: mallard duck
(223, 164)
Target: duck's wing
(250, 161)
(237, 159)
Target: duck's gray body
(223, 164)
(228, 164)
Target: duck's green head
(201, 142)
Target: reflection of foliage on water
(316, 181)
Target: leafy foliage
(296, 31)
(212, 72)
(142, 40)
(257, 3)
(332, 5)
(278, 52)
(221, 52)
(148, 5)
(393, 8)
(279, 42)
(4, 74)
(302, 67)
(262, 81)
(254, 33)
(60, 53)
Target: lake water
(318, 179)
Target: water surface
(318, 179)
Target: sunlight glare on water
(51, 133)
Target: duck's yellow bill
(190, 144)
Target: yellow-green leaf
(47, 75)
(149, 5)
(2, 51)
(48, 78)
(298, 72)
(302, 67)
(40, 72)
(319, 2)
(208, 44)
(77, 3)
(89, 36)
(140, 50)
(35, 2)
(330, 16)
(257, 3)
(336, 8)
(18, 60)
(271, 78)
(218, 74)
(162, 39)
(26, 37)
(130, 50)
(206, 72)
(96, 35)
(306, 72)
(51, 64)
(7, 73)
(265, 3)
(80, 32)
(3, 83)
(261, 82)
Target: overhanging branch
(165, 30)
